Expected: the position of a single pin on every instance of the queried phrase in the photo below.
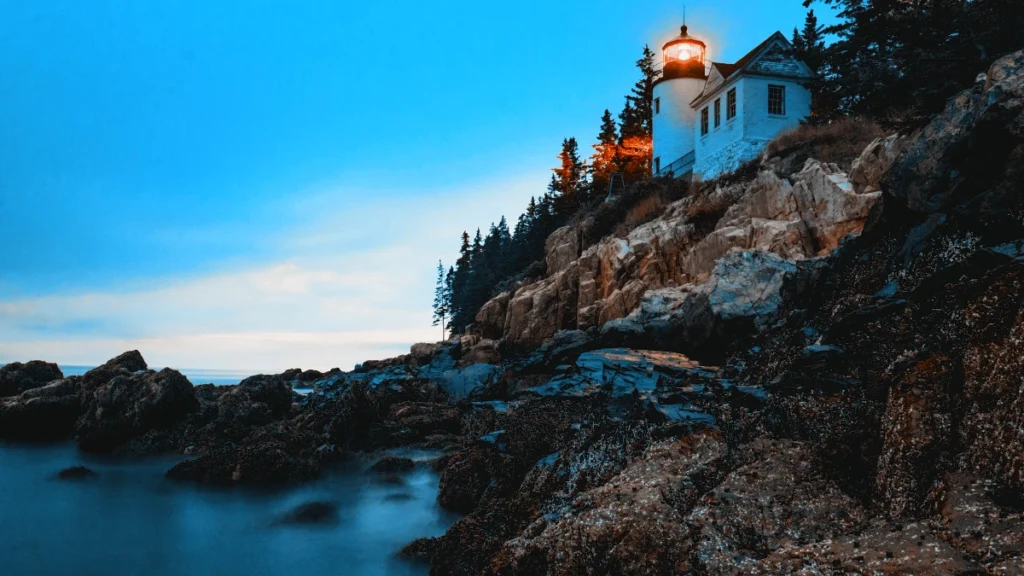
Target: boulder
(46, 413)
(261, 461)
(484, 352)
(311, 513)
(918, 433)
(778, 499)
(562, 248)
(979, 134)
(130, 404)
(629, 525)
(490, 320)
(76, 473)
(467, 476)
(16, 377)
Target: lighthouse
(682, 80)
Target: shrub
(840, 141)
(645, 210)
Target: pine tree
(899, 61)
(809, 47)
(637, 120)
(638, 115)
(459, 300)
(605, 160)
(440, 299)
(568, 183)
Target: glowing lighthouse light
(684, 49)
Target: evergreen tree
(460, 286)
(605, 160)
(809, 46)
(637, 119)
(638, 115)
(568, 183)
(440, 299)
(449, 291)
(899, 61)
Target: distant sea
(195, 376)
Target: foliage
(898, 61)
(839, 141)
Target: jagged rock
(490, 320)
(467, 476)
(778, 499)
(918, 431)
(46, 413)
(931, 171)
(560, 349)
(665, 382)
(127, 363)
(562, 248)
(262, 460)
(484, 352)
(627, 526)
(795, 218)
(869, 169)
(131, 404)
(992, 427)
(538, 310)
(16, 377)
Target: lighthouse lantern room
(683, 77)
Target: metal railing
(680, 167)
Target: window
(704, 122)
(730, 104)
(718, 113)
(657, 105)
(657, 166)
(777, 100)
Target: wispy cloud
(354, 282)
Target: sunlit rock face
(793, 218)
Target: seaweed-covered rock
(16, 377)
(131, 404)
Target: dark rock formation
(75, 473)
(312, 513)
(131, 404)
(16, 377)
(392, 464)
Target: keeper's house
(710, 119)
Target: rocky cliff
(671, 272)
(864, 413)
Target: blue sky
(266, 184)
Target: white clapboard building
(710, 118)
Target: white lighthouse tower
(682, 81)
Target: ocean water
(195, 376)
(131, 521)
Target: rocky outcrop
(794, 218)
(46, 413)
(130, 404)
(16, 377)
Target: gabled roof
(745, 64)
(724, 69)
